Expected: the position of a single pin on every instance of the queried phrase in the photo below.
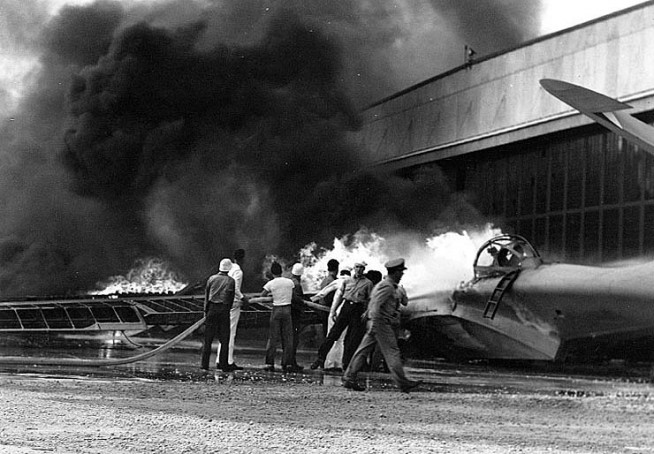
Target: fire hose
(28, 361)
(42, 361)
(310, 304)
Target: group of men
(369, 312)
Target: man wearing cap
(218, 301)
(384, 318)
(240, 299)
(354, 296)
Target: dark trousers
(296, 318)
(324, 322)
(217, 322)
(383, 334)
(350, 317)
(281, 329)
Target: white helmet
(225, 265)
(297, 269)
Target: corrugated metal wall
(584, 196)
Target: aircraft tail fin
(606, 111)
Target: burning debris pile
(150, 275)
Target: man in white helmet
(218, 301)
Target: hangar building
(576, 190)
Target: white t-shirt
(281, 289)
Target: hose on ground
(42, 361)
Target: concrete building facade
(575, 189)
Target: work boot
(293, 368)
(353, 385)
(317, 363)
(411, 386)
(269, 368)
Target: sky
(561, 14)
(183, 129)
(419, 37)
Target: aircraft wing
(606, 111)
(124, 313)
(69, 315)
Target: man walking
(384, 319)
(354, 296)
(235, 273)
(218, 300)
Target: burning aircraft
(514, 306)
(519, 307)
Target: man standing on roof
(235, 273)
(218, 300)
(354, 296)
(384, 319)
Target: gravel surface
(98, 415)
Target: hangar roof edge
(505, 51)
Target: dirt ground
(60, 414)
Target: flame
(434, 264)
(362, 246)
(149, 275)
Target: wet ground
(165, 405)
(181, 364)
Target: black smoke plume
(491, 25)
(149, 131)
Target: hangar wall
(498, 100)
(579, 192)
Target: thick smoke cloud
(491, 25)
(183, 131)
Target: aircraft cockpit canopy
(505, 253)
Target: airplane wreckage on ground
(516, 306)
